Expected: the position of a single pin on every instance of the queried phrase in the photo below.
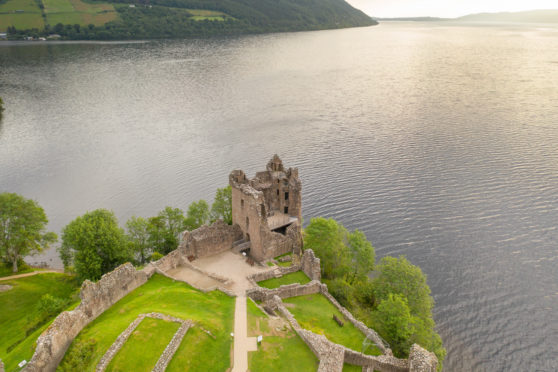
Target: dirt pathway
(29, 274)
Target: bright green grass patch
(285, 264)
(143, 349)
(210, 18)
(280, 349)
(315, 313)
(296, 277)
(199, 351)
(214, 311)
(19, 313)
(351, 368)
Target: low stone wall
(123, 337)
(284, 291)
(95, 299)
(209, 240)
(332, 356)
(1, 366)
(311, 265)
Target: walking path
(29, 274)
(242, 343)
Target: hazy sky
(446, 8)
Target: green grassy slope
(296, 277)
(315, 313)
(19, 314)
(212, 312)
(116, 19)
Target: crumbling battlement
(268, 209)
(284, 291)
(209, 240)
(95, 299)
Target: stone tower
(268, 209)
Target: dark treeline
(170, 19)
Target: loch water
(439, 141)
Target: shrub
(156, 256)
(79, 356)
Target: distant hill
(148, 19)
(533, 16)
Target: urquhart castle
(266, 229)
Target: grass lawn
(142, 350)
(30, 18)
(285, 264)
(213, 311)
(19, 313)
(79, 12)
(296, 277)
(315, 313)
(280, 350)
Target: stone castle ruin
(268, 209)
(266, 223)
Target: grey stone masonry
(1, 366)
(284, 291)
(171, 348)
(123, 337)
(311, 265)
(421, 360)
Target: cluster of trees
(391, 297)
(22, 229)
(170, 19)
(94, 244)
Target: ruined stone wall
(209, 240)
(95, 299)
(311, 265)
(421, 360)
(284, 291)
(332, 356)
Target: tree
(399, 276)
(394, 322)
(327, 239)
(94, 243)
(197, 215)
(164, 229)
(138, 236)
(222, 205)
(22, 228)
(363, 256)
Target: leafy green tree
(22, 228)
(394, 322)
(327, 239)
(197, 215)
(94, 243)
(138, 236)
(399, 276)
(222, 205)
(164, 229)
(363, 256)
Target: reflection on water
(438, 142)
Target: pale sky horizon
(446, 8)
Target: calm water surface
(440, 143)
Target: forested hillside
(193, 18)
